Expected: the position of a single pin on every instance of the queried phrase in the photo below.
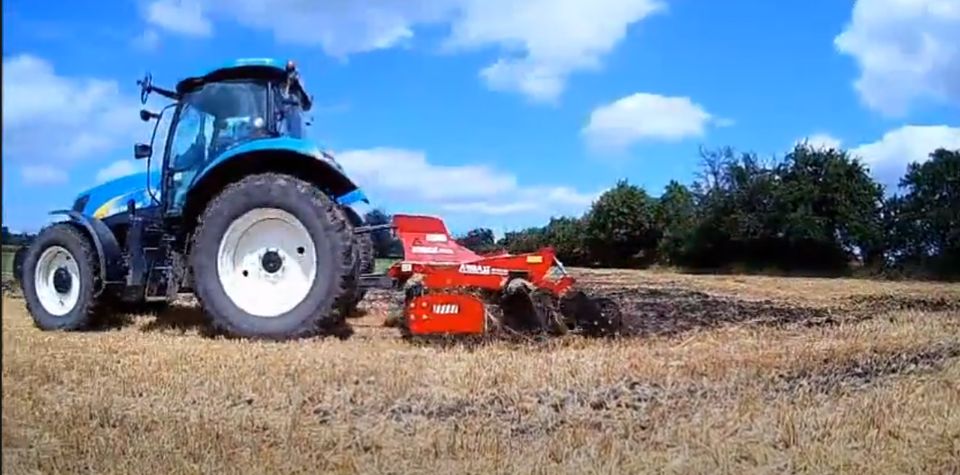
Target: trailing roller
(451, 290)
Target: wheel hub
(267, 262)
(62, 281)
(271, 261)
(57, 281)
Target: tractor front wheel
(272, 258)
(58, 279)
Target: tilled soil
(546, 410)
(670, 311)
(888, 302)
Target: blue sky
(495, 113)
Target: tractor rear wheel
(272, 258)
(58, 279)
(367, 257)
(364, 264)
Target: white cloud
(340, 28)
(821, 141)
(541, 42)
(544, 41)
(889, 156)
(907, 50)
(406, 173)
(116, 169)
(53, 124)
(398, 175)
(50, 119)
(645, 117)
(149, 40)
(483, 207)
(43, 175)
(545, 200)
(180, 16)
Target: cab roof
(248, 68)
(252, 68)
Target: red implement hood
(426, 240)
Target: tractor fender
(346, 189)
(297, 157)
(109, 254)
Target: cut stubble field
(716, 374)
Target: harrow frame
(451, 290)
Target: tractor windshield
(212, 119)
(215, 117)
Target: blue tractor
(247, 213)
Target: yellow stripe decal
(105, 208)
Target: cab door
(187, 153)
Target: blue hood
(110, 198)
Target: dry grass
(878, 393)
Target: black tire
(521, 311)
(367, 258)
(347, 302)
(363, 263)
(363, 246)
(67, 236)
(363, 243)
(18, 259)
(332, 244)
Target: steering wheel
(146, 86)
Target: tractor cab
(221, 111)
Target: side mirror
(142, 150)
(147, 116)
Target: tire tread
(328, 317)
(91, 305)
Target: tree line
(816, 210)
(15, 239)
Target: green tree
(384, 243)
(527, 240)
(676, 217)
(479, 240)
(925, 222)
(567, 237)
(812, 210)
(621, 227)
(831, 208)
(736, 197)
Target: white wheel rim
(55, 302)
(240, 262)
